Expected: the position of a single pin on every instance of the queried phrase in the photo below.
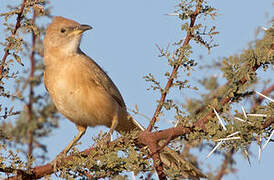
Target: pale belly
(80, 102)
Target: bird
(78, 86)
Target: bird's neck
(55, 55)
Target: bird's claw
(57, 161)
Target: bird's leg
(81, 132)
(113, 125)
(106, 139)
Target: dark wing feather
(103, 80)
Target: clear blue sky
(123, 41)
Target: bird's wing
(99, 77)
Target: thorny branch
(44, 170)
(174, 71)
(17, 26)
(31, 93)
(153, 145)
(201, 123)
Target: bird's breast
(77, 98)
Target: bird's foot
(57, 160)
(104, 141)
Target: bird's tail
(174, 160)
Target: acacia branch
(7, 49)
(174, 71)
(153, 145)
(144, 138)
(201, 123)
(31, 93)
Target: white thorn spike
(243, 109)
(233, 134)
(247, 156)
(259, 154)
(228, 138)
(219, 118)
(260, 148)
(173, 14)
(265, 96)
(268, 139)
(239, 119)
(257, 115)
(214, 149)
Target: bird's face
(64, 34)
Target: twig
(156, 157)
(174, 71)
(7, 49)
(31, 93)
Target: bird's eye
(63, 30)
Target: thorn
(233, 134)
(214, 149)
(260, 148)
(257, 115)
(247, 156)
(243, 109)
(268, 139)
(172, 14)
(219, 118)
(265, 96)
(239, 119)
(228, 138)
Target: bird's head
(64, 34)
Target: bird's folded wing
(99, 77)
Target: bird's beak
(84, 27)
(80, 29)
